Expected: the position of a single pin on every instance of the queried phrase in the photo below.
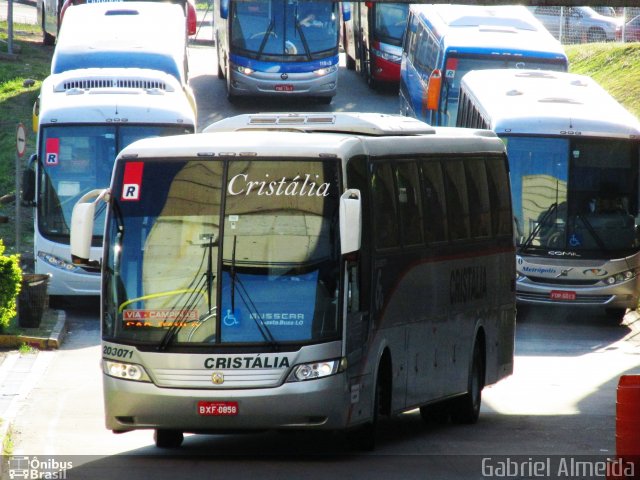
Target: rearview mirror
(82, 226)
(350, 221)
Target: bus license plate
(215, 409)
(562, 295)
(284, 88)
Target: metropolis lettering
(296, 186)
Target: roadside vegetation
(20, 78)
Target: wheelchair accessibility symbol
(574, 241)
(230, 319)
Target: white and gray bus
(573, 153)
(303, 271)
(85, 117)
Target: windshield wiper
(270, 28)
(247, 301)
(206, 281)
(303, 38)
(593, 232)
(527, 243)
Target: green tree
(10, 283)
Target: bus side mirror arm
(82, 226)
(350, 221)
(28, 194)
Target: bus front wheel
(168, 438)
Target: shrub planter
(32, 299)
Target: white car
(577, 24)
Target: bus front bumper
(304, 84)
(316, 404)
(621, 295)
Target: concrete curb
(54, 341)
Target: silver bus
(573, 153)
(303, 271)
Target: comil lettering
(296, 186)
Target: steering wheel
(262, 34)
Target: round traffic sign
(21, 140)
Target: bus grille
(564, 281)
(543, 297)
(94, 83)
(233, 379)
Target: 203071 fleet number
(117, 352)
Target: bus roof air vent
(96, 82)
(514, 93)
(565, 100)
(122, 11)
(377, 124)
(579, 83)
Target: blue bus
(278, 47)
(443, 42)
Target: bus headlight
(389, 57)
(58, 262)
(244, 70)
(321, 72)
(311, 371)
(620, 277)
(125, 371)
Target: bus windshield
(575, 195)
(457, 66)
(189, 261)
(391, 19)
(284, 30)
(77, 159)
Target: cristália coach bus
(278, 47)
(573, 153)
(85, 118)
(443, 42)
(303, 271)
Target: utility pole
(10, 23)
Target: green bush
(10, 282)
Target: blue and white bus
(573, 154)
(443, 42)
(278, 47)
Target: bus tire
(220, 71)
(47, 38)
(466, 409)
(168, 438)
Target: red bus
(372, 40)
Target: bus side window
(385, 225)
(457, 200)
(499, 196)
(409, 203)
(435, 214)
(478, 198)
